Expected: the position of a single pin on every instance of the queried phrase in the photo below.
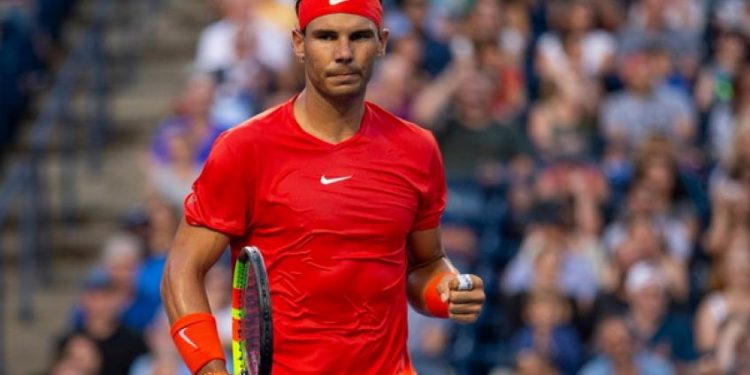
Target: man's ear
(383, 41)
(298, 44)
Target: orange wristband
(435, 306)
(197, 340)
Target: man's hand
(463, 305)
(214, 367)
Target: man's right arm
(193, 252)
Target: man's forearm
(184, 295)
(183, 292)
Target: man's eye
(361, 36)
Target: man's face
(615, 341)
(339, 51)
(649, 300)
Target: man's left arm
(434, 287)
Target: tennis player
(343, 199)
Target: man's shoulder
(406, 131)
(257, 127)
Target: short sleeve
(220, 197)
(433, 192)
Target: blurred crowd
(30, 39)
(598, 163)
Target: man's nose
(344, 53)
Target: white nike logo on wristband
(336, 2)
(187, 339)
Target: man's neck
(645, 323)
(332, 120)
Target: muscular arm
(193, 252)
(427, 260)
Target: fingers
(465, 304)
(464, 318)
(465, 308)
(474, 282)
(475, 296)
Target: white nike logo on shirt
(336, 2)
(328, 181)
(187, 339)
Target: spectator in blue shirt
(617, 353)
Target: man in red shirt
(343, 199)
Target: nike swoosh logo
(336, 2)
(187, 339)
(328, 181)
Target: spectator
(216, 47)
(78, 356)
(731, 201)
(663, 193)
(193, 116)
(582, 190)
(147, 281)
(734, 168)
(733, 351)
(215, 50)
(546, 260)
(548, 334)
(515, 32)
(510, 98)
(677, 195)
(171, 179)
(559, 127)
(120, 258)
(730, 297)
(576, 19)
(654, 326)
(102, 306)
(645, 244)
(409, 19)
(643, 109)
(714, 87)
(395, 81)
(618, 353)
(470, 140)
(726, 119)
(732, 14)
(675, 24)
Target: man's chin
(346, 91)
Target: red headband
(312, 9)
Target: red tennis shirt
(332, 222)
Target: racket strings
(251, 312)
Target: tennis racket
(252, 328)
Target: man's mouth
(344, 74)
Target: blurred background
(597, 155)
